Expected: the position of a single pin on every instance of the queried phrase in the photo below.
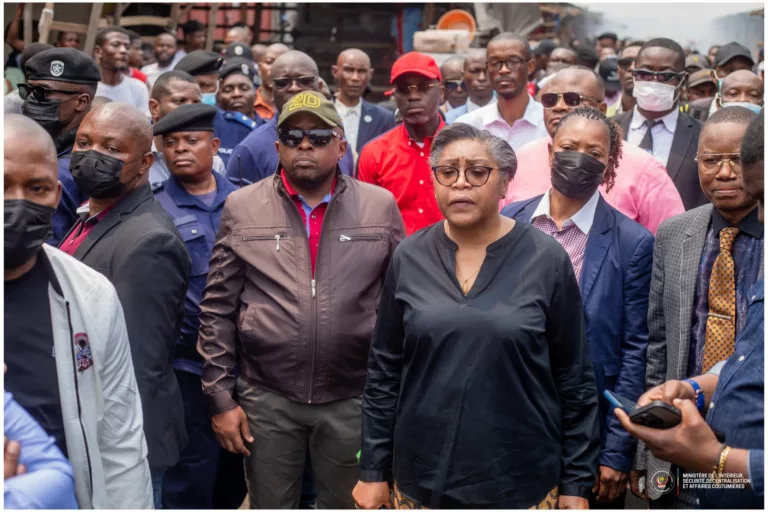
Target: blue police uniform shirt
(737, 407)
(231, 128)
(71, 198)
(197, 223)
(256, 157)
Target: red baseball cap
(415, 62)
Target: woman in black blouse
(480, 393)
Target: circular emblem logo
(367, 119)
(663, 481)
(244, 68)
(57, 68)
(238, 50)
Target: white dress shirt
(663, 133)
(529, 128)
(351, 118)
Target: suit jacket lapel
(624, 121)
(690, 257)
(113, 218)
(597, 247)
(364, 132)
(680, 144)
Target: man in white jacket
(66, 344)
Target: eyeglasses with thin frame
(285, 82)
(422, 88)
(711, 163)
(476, 175)
(571, 99)
(39, 92)
(320, 137)
(646, 75)
(512, 63)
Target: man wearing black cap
(701, 86)
(126, 235)
(171, 90)
(608, 70)
(204, 66)
(194, 198)
(61, 84)
(729, 58)
(237, 118)
(194, 39)
(243, 51)
(295, 273)
(111, 52)
(255, 157)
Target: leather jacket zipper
(277, 238)
(352, 238)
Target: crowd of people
(226, 279)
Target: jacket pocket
(277, 238)
(197, 247)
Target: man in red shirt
(398, 160)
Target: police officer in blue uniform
(194, 197)
(235, 98)
(61, 84)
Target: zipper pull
(344, 238)
(277, 237)
(313, 289)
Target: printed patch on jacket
(83, 355)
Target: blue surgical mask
(751, 106)
(209, 98)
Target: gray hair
(498, 149)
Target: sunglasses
(303, 81)
(645, 75)
(39, 92)
(318, 138)
(422, 88)
(571, 99)
(454, 85)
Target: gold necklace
(464, 287)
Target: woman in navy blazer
(614, 278)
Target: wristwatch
(699, 394)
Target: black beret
(235, 65)
(63, 65)
(192, 117)
(239, 50)
(200, 62)
(30, 51)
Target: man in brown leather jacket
(291, 301)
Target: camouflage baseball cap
(314, 103)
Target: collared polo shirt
(83, 227)
(573, 237)
(526, 129)
(397, 163)
(312, 217)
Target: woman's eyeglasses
(454, 85)
(477, 175)
(303, 81)
(645, 75)
(571, 99)
(40, 93)
(318, 138)
(711, 163)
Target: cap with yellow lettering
(314, 103)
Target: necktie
(721, 322)
(647, 142)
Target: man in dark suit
(363, 121)
(656, 124)
(612, 257)
(125, 234)
(704, 263)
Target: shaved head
(134, 124)
(353, 54)
(742, 86)
(237, 35)
(453, 66)
(578, 79)
(27, 141)
(294, 59)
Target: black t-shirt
(29, 353)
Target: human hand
(611, 484)
(691, 444)
(231, 427)
(372, 495)
(634, 484)
(12, 452)
(572, 502)
(667, 392)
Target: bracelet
(699, 394)
(719, 468)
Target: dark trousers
(283, 430)
(206, 475)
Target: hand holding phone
(657, 414)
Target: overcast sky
(685, 22)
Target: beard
(164, 63)
(309, 178)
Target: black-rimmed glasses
(477, 175)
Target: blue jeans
(157, 487)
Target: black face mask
(46, 114)
(576, 175)
(96, 174)
(27, 225)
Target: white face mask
(751, 106)
(655, 96)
